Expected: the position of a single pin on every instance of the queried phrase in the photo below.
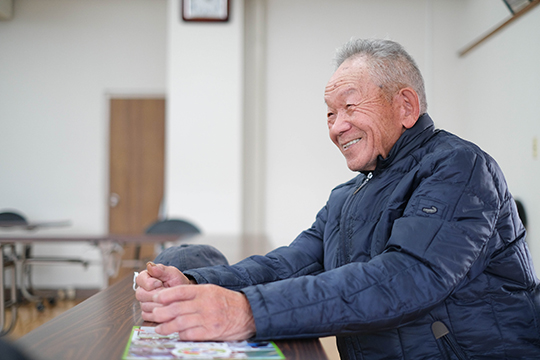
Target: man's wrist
(191, 279)
(250, 323)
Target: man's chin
(356, 168)
(359, 167)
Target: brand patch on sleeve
(431, 208)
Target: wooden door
(136, 168)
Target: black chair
(521, 212)
(173, 226)
(14, 219)
(10, 219)
(169, 227)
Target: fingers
(164, 314)
(168, 275)
(147, 316)
(187, 326)
(146, 296)
(178, 293)
(203, 312)
(150, 282)
(190, 328)
(149, 306)
(156, 277)
(147, 282)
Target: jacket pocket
(447, 341)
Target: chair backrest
(521, 212)
(173, 226)
(12, 217)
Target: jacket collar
(412, 138)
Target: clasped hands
(197, 312)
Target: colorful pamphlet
(145, 343)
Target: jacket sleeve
(304, 256)
(442, 241)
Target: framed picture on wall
(205, 10)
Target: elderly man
(420, 256)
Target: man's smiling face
(362, 122)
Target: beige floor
(29, 318)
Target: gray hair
(389, 65)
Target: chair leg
(137, 255)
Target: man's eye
(330, 116)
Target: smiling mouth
(350, 143)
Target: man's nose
(341, 124)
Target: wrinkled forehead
(350, 77)
(340, 89)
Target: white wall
(500, 96)
(58, 61)
(204, 121)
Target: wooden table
(99, 328)
(234, 247)
(106, 245)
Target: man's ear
(409, 107)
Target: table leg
(111, 259)
(13, 300)
(24, 270)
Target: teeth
(350, 143)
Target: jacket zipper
(441, 332)
(368, 177)
(345, 255)
(457, 351)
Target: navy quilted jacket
(425, 258)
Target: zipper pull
(441, 331)
(368, 177)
